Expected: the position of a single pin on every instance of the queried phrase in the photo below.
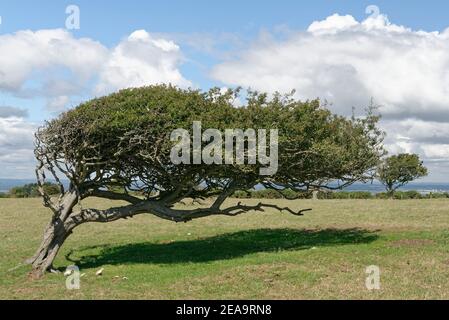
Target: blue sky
(216, 43)
(110, 21)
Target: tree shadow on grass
(220, 247)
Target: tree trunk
(54, 236)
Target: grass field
(272, 255)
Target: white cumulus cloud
(16, 147)
(64, 70)
(27, 53)
(139, 60)
(61, 68)
(348, 62)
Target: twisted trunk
(55, 234)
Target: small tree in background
(396, 171)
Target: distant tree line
(399, 195)
(393, 172)
(30, 191)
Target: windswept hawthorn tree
(118, 147)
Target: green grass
(271, 255)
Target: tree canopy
(398, 170)
(118, 147)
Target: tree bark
(55, 234)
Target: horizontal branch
(112, 196)
(160, 210)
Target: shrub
(402, 195)
(326, 195)
(242, 194)
(272, 194)
(413, 194)
(382, 195)
(31, 190)
(345, 195)
(436, 195)
(361, 195)
(266, 194)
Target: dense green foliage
(124, 138)
(398, 170)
